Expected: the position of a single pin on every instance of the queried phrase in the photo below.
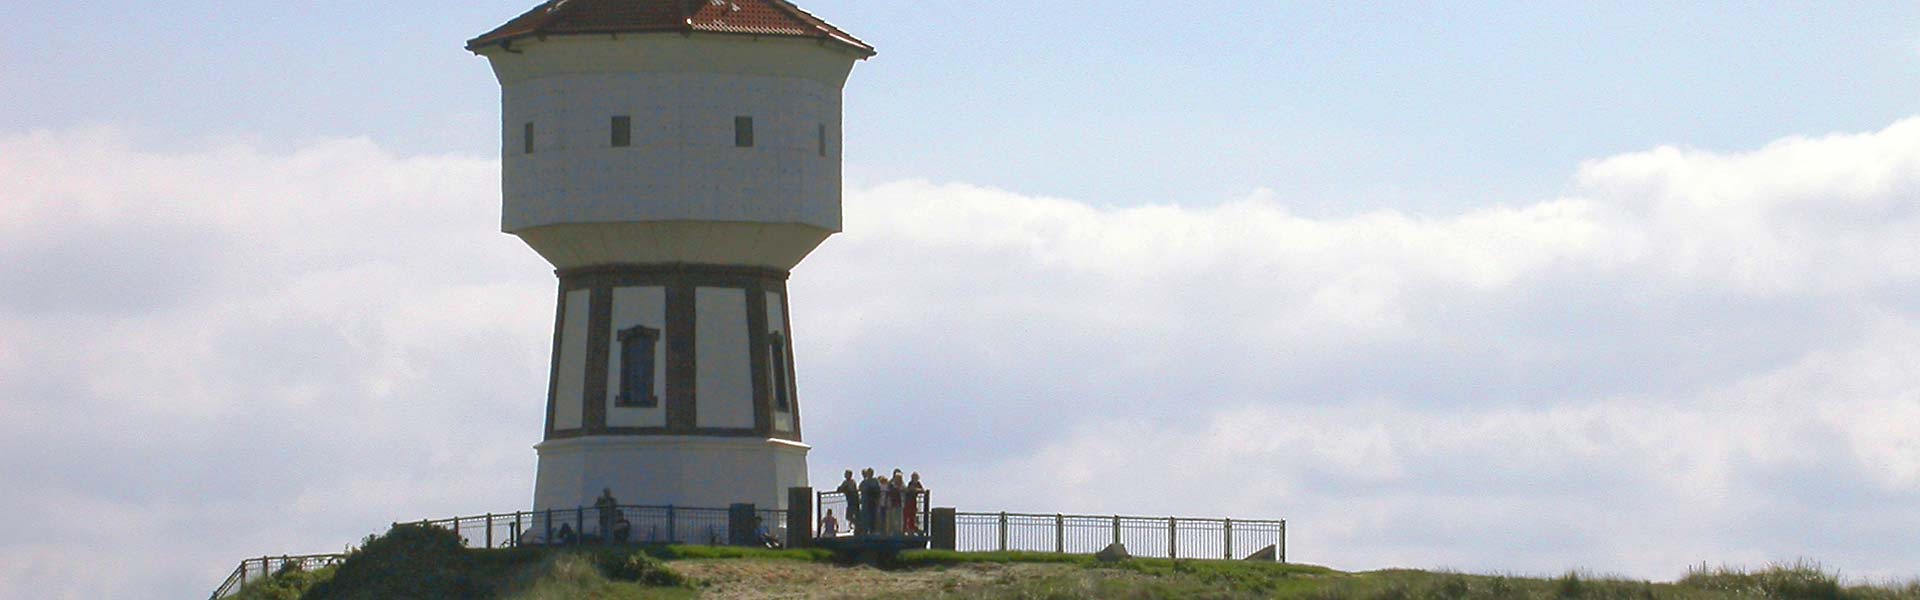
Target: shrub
(638, 567)
(416, 561)
(1802, 580)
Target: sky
(1500, 288)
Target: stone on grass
(1112, 553)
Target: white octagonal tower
(673, 159)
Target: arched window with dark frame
(636, 367)
(777, 355)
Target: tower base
(697, 471)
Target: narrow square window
(743, 132)
(622, 131)
(777, 357)
(526, 138)
(636, 367)
(823, 139)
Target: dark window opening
(743, 132)
(622, 132)
(782, 400)
(636, 367)
(823, 139)
(526, 138)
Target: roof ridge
(761, 17)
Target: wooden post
(1059, 534)
(549, 521)
(456, 531)
(489, 531)
(1116, 529)
(943, 529)
(799, 505)
(1228, 534)
(579, 525)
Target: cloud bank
(1689, 356)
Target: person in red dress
(913, 504)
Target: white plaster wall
(570, 388)
(683, 164)
(661, 470)
(682, 93)
(777, 322)
(637, 306)
(724, 374)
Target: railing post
(516, 530)
(1059, 533)
(1228, 534)
(489, 531)
(1173, 538)
(579, 525)
(672, 530)
(1116, 530)
(456, 532)
(1283, 542)
(1003, 531)
(548, 540)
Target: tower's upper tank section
(671, 131)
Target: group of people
(878, 505)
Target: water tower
(673, 160)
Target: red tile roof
(754, 17)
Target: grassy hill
(426, 563)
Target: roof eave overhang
(506, 41)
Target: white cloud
(223, 352)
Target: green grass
(427, 563)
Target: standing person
(870, 490)
(829, 526)
(851, 491)
(606, 506)
(896, 492)
(913, 504)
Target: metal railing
(259, 569)
(627, 523)
(581, 525)
(1167, 537)
(917, 522)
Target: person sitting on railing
(851, 491)
(912, 512)
(565, 535)
(829, 526)
(622, 528)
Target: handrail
(1134, 517)
(238, 578)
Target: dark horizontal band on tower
(673, 269)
